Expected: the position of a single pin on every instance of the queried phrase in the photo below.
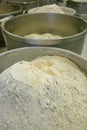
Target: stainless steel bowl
(29, 53)
(24, 3)
(5, 11)
(72, 29)
(66, 10)
(9, 9)
(80, 7)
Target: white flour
(48, 93)
(46, 9)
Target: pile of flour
(47, 9)
(47, 93)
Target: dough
(42, 36)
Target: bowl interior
(57, 24)
(8, 8)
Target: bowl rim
(74, 57)
(21, 38)
(22, 3)
(47, 48)
(13, 12)
(74, 11)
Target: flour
(47, 93)
(47, 9)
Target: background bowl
(9, 9)
(24, 3)
(80, 7)
(72, 29)
(5, 11)
(66, 10)
(29, 53)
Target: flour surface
(53, 8)
(47, 93)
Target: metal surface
(24, 3)
(80, 7)
(72, 29)
(5, 11)
(68, 11)
(83, 54)
(28, 53)
(9, 9)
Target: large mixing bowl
(5, 11)
(80, 7)
(72, 29)
(29, 53)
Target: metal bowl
(29, 53)
(24, 3)
(66, 10)
(71, 28)
(5, 11)
(9, 9)
(80, 7)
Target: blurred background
(79, 6)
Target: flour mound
(47, 93)
(53, 8)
